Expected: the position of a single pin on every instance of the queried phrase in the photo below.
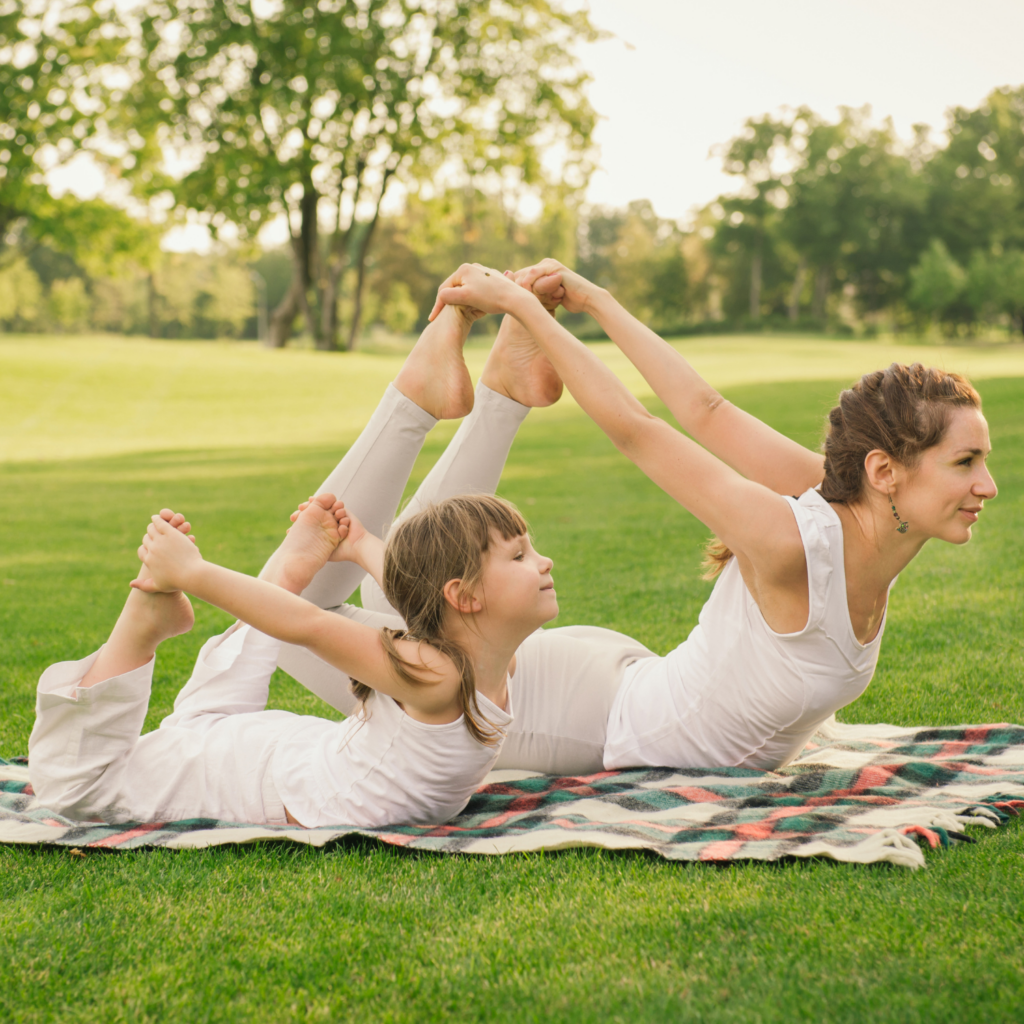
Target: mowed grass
(273, 933)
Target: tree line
(315, 110)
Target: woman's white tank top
(736, 693)
(380, 767)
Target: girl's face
(944, 493)
(516, 586)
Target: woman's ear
(881, 471)
(462, 602)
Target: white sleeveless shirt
(736, 693)
(380, 767)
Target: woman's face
(944, 493)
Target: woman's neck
(874, 554)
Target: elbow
(634, 431)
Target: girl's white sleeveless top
(380, 767)
(736, 693)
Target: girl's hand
(169, 555)
(549, 277)
(480, 287)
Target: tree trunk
(283, 317)
(305, 249)
(756, 269)
(364, 249)
(822, 284)
(797, 290)
(151, 297)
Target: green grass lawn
(276, 933)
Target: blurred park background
(305, 172)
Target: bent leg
(83, 735)
(471, 464)
(370, 480)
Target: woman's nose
(986, 487)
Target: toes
(325, 500)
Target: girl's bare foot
(435, 376)
(145, 622)
(518, 369)
(312, 540)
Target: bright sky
(680, 76)
(683, 75)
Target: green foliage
(60, 62)
(298, 107)
(640, 258)
(938, 281)
(20, 293)
(274, 933)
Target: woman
(792, 629)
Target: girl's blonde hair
(443, 542)
(901, 411)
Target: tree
(754, 156)
(995, 286)
(639, 257)
(976, 193)
(856, 210)
(59, 96)
(937, 283)
(313, 110)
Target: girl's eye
(519, 557)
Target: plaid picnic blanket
(864, 793)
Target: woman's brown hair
(440, 543)
(901, 411)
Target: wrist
(364, 551)
(524, 304)
(598, 302)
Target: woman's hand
(169, 555)
(481, 288)
(549, 277)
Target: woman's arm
(740, 440)
(754, 521)
(354, 648)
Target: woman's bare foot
(144, 623)
(313, 539)
(518, 369)
(435, 376)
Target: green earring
(904, 526)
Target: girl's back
(381, 766)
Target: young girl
(792, 630)
(468, 586)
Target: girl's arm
(752, 520)
(742, 441)
(354, 648)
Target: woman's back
(737, 693)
